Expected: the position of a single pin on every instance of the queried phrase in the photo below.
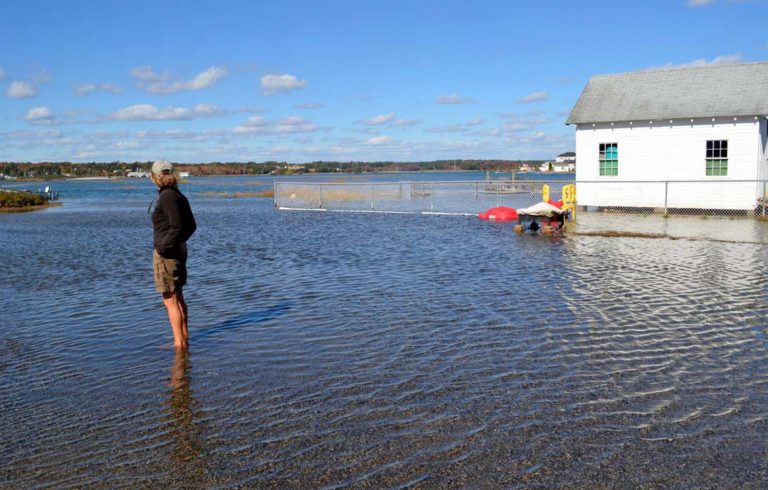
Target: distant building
(565, 162)
(696, 125)
(137, 174)
(567, 157)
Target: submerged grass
(335, 195)
(234, 195)
(621, 234)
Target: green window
(717, 157)
(609, 159)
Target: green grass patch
(20, 199)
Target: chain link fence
(716, 198)
(459, 198)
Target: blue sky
(299, 81)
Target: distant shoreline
(375, 172)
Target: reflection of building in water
(182, 403)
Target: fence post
(274, 191)
(371, 196)
(432, 197)
(497, 194)
(320, 197)
(763, 199)
(666, 193)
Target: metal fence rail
(728, 198)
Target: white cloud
(256, 125)
(378, 120)
(456, 128)
(40, 75)
(147, 74)
(155, 83)
(378, 140)
(515, 122)
(178, 134)
(148, 112)
(453, 128)
(251, 109)
(533, 97)
(535, 136)
(40, 115)
(402, 123)
(2, 73)
(20, 90)
(255, 121)
(704, 3)
(452, 99)
(310, 105)
(720, 60)
(89, 88)
(125, 145)
(276, 84)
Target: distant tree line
(55, 170)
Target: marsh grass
(621, 234)
(20, 199)
(26, 209)
(234, 195)
(315, 194)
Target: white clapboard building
(690, 138)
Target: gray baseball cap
(162, 167)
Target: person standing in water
(172, 225)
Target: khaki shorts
(170, 274)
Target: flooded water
(344, 350)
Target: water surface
(375, 350)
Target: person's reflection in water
(188, 451)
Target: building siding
(672, 152)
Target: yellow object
(569, 199)
(545, 193)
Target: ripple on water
(352, 350)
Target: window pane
(716, 167)
(709, 145)
(724, 144)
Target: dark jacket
(172, 223)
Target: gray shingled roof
(708, 91)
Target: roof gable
(710, 91)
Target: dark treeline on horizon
(54, 170)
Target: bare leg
(185, 322)
(176, 317)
